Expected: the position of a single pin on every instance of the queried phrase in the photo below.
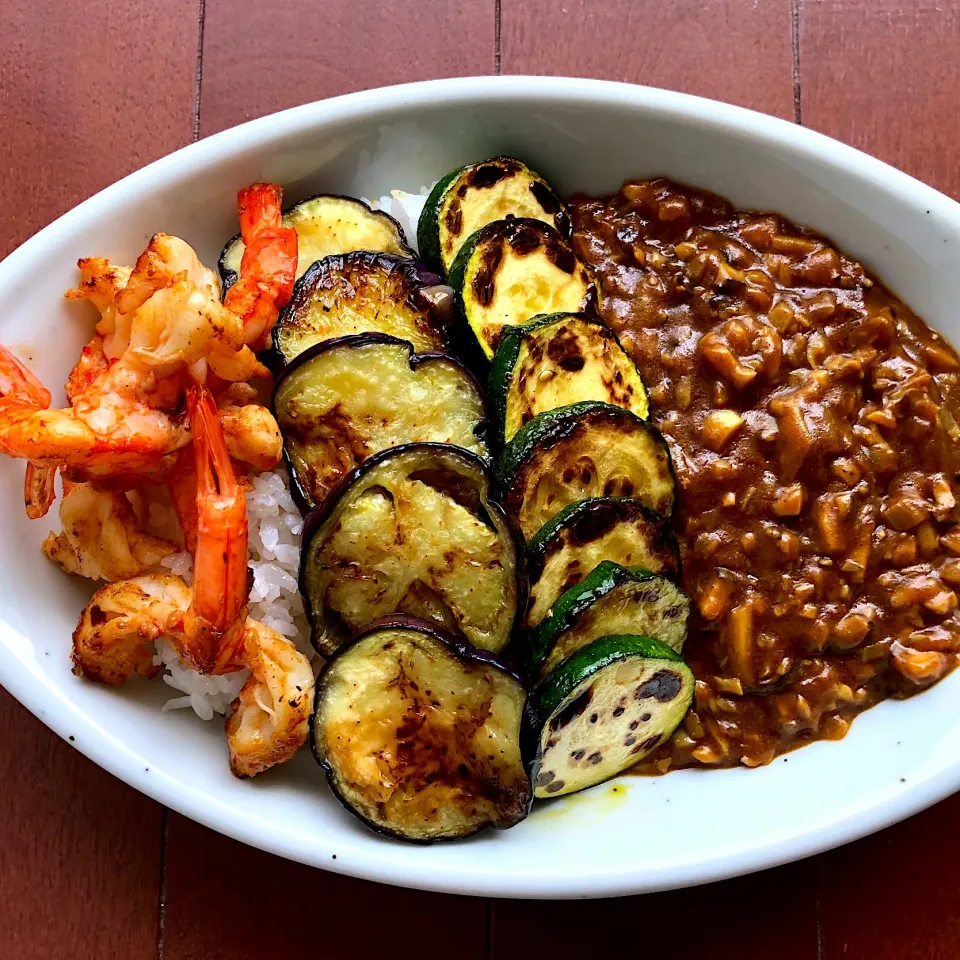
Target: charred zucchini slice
(412, 531)
(344, 400)
(557, 360)
(610, 600)
(510, 271)
(473, 196)
(325, 225)
(358, 293)
(602, 710)
(587, 449)
(589, 532)
(420, 734)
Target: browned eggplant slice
(606, 528)
(419, 734)
(326, 224)
(354, 293)
(346, 399)
(414, 531)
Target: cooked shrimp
(101, 539)
(101, 282)
(89, 366)
(252, 435)
(269, 265)
(112, 640)
(215, 620)
(268, 720)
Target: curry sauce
(812, 419)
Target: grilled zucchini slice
(510, 271)
(589, 532)
(325, 225)
(420, 734)
(344, 400)
(587, 449)
(602, 710)
(358, 293)
(412, 531)
(611, 599)
(557, 360)
(473, 196)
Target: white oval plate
(689, 827)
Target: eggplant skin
(500, 782)
(384, 294)
(464, 477)
(322, 446)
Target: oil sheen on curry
(812, 420)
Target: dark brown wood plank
(733, 920)
(259, 58)
(876, 74)
(881, 75)
(87, 95)
(79, 851)
(225, 900)
(724, 49)
(896, 895)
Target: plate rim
(23, 678)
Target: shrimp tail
(38, 490)
(216, 617)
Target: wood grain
(726, 49)
(79, 851)
(225, 900)
(87, 95)
(258, 58)
(733, 920)
(882, 75)
(896, 895)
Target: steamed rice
(274, 549)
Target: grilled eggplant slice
(555, 361)
(420, 734)
(357, 293)
(412, 531)
(326, 224)
(589, 532)
(587, 449)
(510, 271)
(473, 196)
(611, 599)
(344, 400)
(602, 710)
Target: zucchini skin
(464, 652)
(317, 517)
(428, 226)
(416, 360)
(585, 512)
(467, 340)
(605, 577)
(548, 695)
(505, 360)
(229, 277)
(551, 427)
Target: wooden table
(90, 91)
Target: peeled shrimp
(112, 641)
(101, 539)
(268, 720)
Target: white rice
(275, 528)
